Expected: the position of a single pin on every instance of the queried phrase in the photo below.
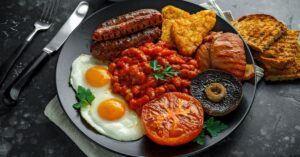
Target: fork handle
(11, 94)
(6, 66)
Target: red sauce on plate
(133, 77)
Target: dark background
(272, 127)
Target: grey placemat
(56, 114)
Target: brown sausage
(128, 16)
(110, 49)
(128, 27)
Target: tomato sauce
(133, 77)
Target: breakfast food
(139, 81)
(143, 76)
(249, 71)
(128, 16)
(188, 33)
(173, 119)
(259, 30)
(223, 51)
(129, 26)
(108, 113)
(290, 73)
(170, 14)
(109, 50)
(219, 92)
(276, 47)
(281, 53)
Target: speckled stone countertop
(272, 127)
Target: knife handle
(6, 66)
(11, 94)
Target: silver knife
(11, 94)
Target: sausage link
(128, 16)
(128, 27)
(110, 49)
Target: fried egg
(108, 113)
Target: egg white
(127, 128)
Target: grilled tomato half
(173, 119)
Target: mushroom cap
(230, 101)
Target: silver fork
(43, 23)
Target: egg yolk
(97, 76)
(111, 109)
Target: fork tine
(53, 10)
(47, 4)
(50, 5)
(44, 11)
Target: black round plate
(79, 42)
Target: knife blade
(11, 94)
(64, 32)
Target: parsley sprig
(159, 74)
(84, 97)
(212, 127)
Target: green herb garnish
(200, 139)
(154, 65)
(84, 97)
(213, 127)
(168, 71)
(160, 76)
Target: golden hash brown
(170, 14)
(259, 30)
(166, 31)
(290, 73)
(282, 52)
(188, 33)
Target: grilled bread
(281, 53)
(290, 73)
(259, 30)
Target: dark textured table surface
(272, 127)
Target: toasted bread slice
(281, 53)
(170, 14)
(291, 73)
(259, 30)
(188, 33)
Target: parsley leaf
(200, 139)
(214, 127)
(160, 76)
(84, 96)
(77, 106)
(154, 65)
(168, 71)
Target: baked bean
(151, 93)
(162, 61)
(170, 87)
(185, 66)
(135, 89)
(185, 90)
(129, 96)
(176, 81)
(185, 83)
(160, 90)
(176, 67)
(193, 62)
